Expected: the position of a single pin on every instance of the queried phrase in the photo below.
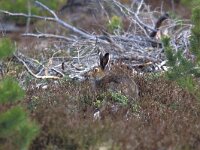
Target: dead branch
(129, 47)
(31, 72)
(43, 35)
(122, 7)
(55, 18)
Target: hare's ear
(104, 60)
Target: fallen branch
(134, 46)
(118, 4)
(31, 72)
(54, 19)
(43, 35)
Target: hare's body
(117, 79)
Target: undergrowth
(165, 116)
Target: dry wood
(140, 44)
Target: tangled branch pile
(139, 45)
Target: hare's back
(128, 87)
(120, 83)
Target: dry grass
(165, 117)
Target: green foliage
(27, 132)
(190, 3)
(15, 123)
(195, 35)
(135, 107)
(10, 91)
(53, 4)
(115, 97)
(6, 47)
(119, 98)
(97, 103)
(115, 24)
(10, 119)
(15, 126)
(169, 52)
(21, 6)
(183, 70)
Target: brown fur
(116, 79)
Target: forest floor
(72, 116)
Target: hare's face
(97, 73)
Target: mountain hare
(117, 79)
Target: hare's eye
(96, 69)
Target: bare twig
(27, 16)
(64, 24)
(55, 19)
(139, 7)
(44, 35)
(80, 48)
(118, 4)
(28, 19)
(30, 71)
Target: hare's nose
(90, 74)
(87, 75)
